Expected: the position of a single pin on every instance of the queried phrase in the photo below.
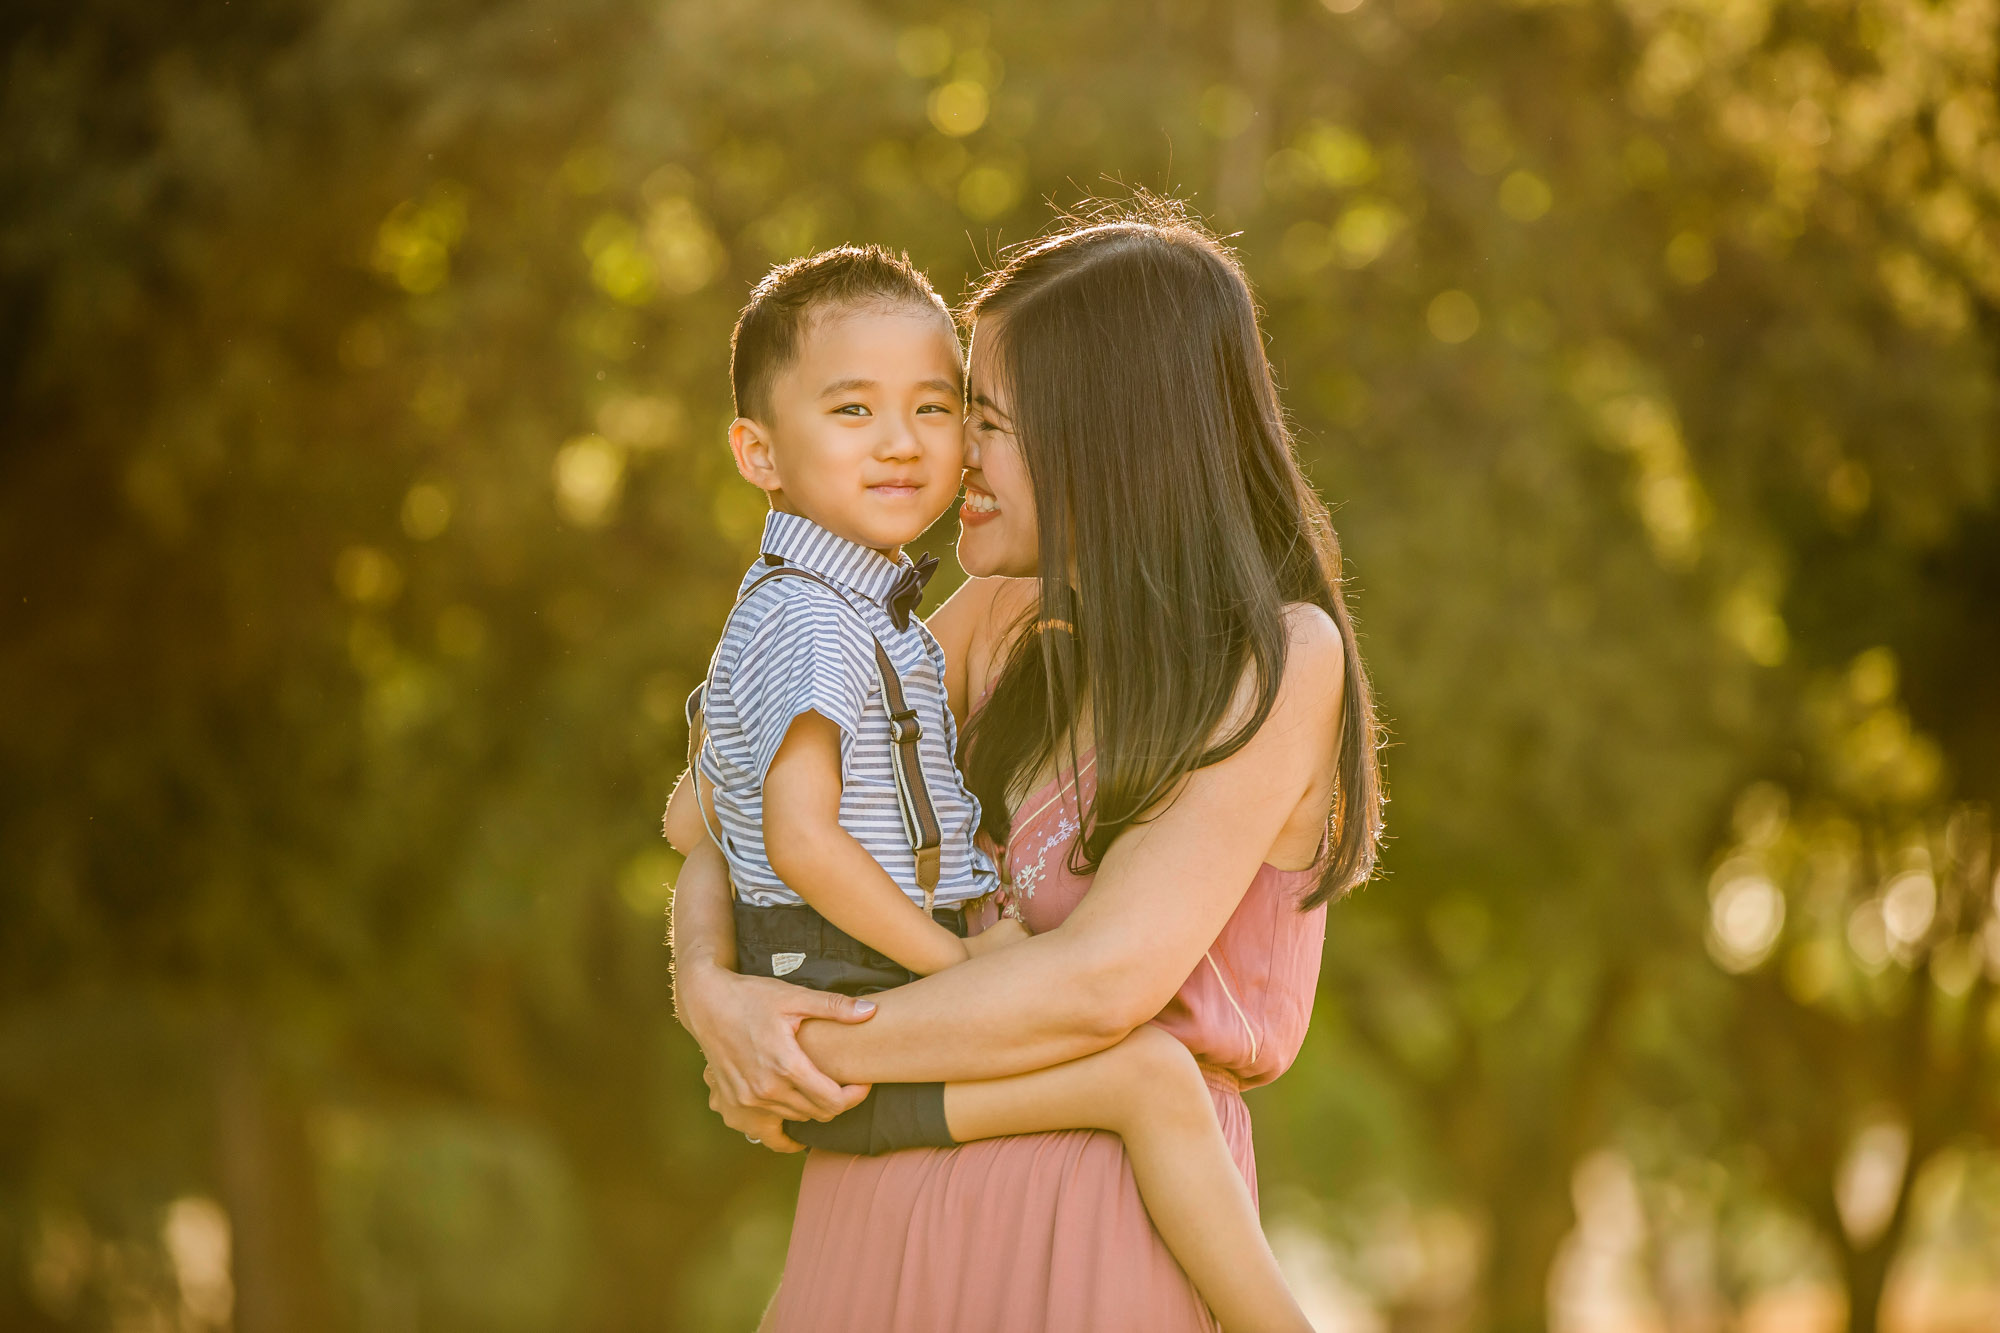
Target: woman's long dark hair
(1165, 478)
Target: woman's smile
(979, 506)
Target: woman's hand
(748, 1027)
(760, 1127)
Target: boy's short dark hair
(773, 323)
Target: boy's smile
(863, 435)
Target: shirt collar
(800, 541)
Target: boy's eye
(936, 407)
(852, 409)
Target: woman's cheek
(995, 550)
(1024, 540)
(978, 554)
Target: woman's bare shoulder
(1314, 672)
(975, 605)
(1311, 632)
(1315, 666)
(971, 626)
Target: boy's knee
(1160, 1064)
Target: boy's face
(864, 432)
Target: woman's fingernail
(864, 1006)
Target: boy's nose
(901, 440)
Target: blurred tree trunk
(1865, 1273)
(265, 1162)
(1528, 1202)
(1528, 1230)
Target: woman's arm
(683, 822)
(1160, 899)
(747, 1027)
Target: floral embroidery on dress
(1021, 887)
(1024, 861)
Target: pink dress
(1046, 1231)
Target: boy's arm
(824, 864)
(1007, 930)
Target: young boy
(821, 754)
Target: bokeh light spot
(197, 1238)
(924, 51)
(1524, 196)
(366, 576)
(1690, 258)
(1453, 316)
(641, 421)
(647, 882)
(1909, 905)
(988, 190)
(684, 249)
(1746, 914)
(589, 473)
(414, 243)
(1340, 157)
(958, 108)
(1871, 677)
(1365, 230)
(619, 266)
(1751, 621)
(427, 510)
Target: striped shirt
(795, 646)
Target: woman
(1165, 712)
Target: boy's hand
(999, 935)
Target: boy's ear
(751, 445)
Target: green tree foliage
(366, 519)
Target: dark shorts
(798, 945)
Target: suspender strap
(913, 792)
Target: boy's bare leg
(1148, 1091)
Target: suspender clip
(904, 728)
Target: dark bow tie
(909, 589)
